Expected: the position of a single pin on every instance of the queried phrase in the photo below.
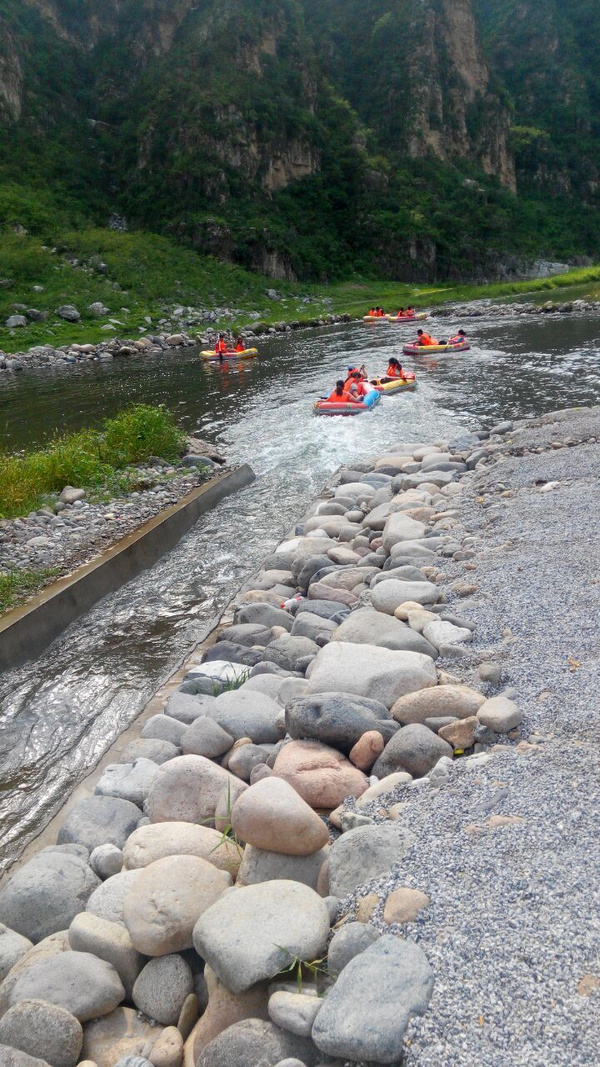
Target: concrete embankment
(26, 631)
(388, 754)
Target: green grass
(89, 459)
(17, 586)
(152, 274)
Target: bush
(88, 458)
(140, 432)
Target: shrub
(87, 458)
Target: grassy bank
(18, 586)
(90, 459)
(141, 278)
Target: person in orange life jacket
(356, 387)
(410, 311)
(424, 339)
(401, 313)
(221, 345)
(362, 374)
(239, 345)
(340, 394)
(458, 339)
(394, 369)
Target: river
(59, 714)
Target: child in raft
(459, 338)
(356, 387)
(239, 345)
(394, 372)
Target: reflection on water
(60, 714)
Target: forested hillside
(308, 138)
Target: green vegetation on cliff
(311, 139)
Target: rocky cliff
(300, 137)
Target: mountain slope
(301, 138)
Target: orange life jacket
(426, 339)
(335, 398)
(220, 347)
(240, 347)
(458, 340)
(393, 372)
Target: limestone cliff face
(416, 73)
(11, 78)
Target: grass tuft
(88, 458)
(17, 586)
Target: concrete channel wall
(27, 631)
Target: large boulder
(163, 728)
(108, 941)
(365, 853)
(243, 713)
(369, 671)
(264, 615)
(337, 719)
(388, 595)
(224, 1009)
(204, 737)
(12, 947)
(187, 707)
(149, 748)
(288, 652)
(254, 932)
(347, 942)
(365, 1015)
(400, 527)
(154, 842)
(260, 865)
(370, 627)
(100, 821)
(127, 781)
(500, 714)
(162, 988)
(459, 701)
(122, 1033)
(247, 633)
(255, 1043)
(43, 1030)
(321, 775)
(46, 894)
(168, 897)
(107, 900)
(413, 748)
(271, 815)
(76, 981)
(188, 789)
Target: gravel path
(513, 928)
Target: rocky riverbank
(46, 356)
(477, 309)
(75, 526)
(362, 828)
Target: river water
(60, 714)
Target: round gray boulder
(337, 719)
(43, 1029)
(12, 947)
(162, 987)
(46, 894)
(100, 821)
(76, 981)
(255, 1043)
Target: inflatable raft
(247, 353)
(425, 350)
(396, 386)
(376, 318)
(407, 318)
(326, 407)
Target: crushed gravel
(513, 927)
